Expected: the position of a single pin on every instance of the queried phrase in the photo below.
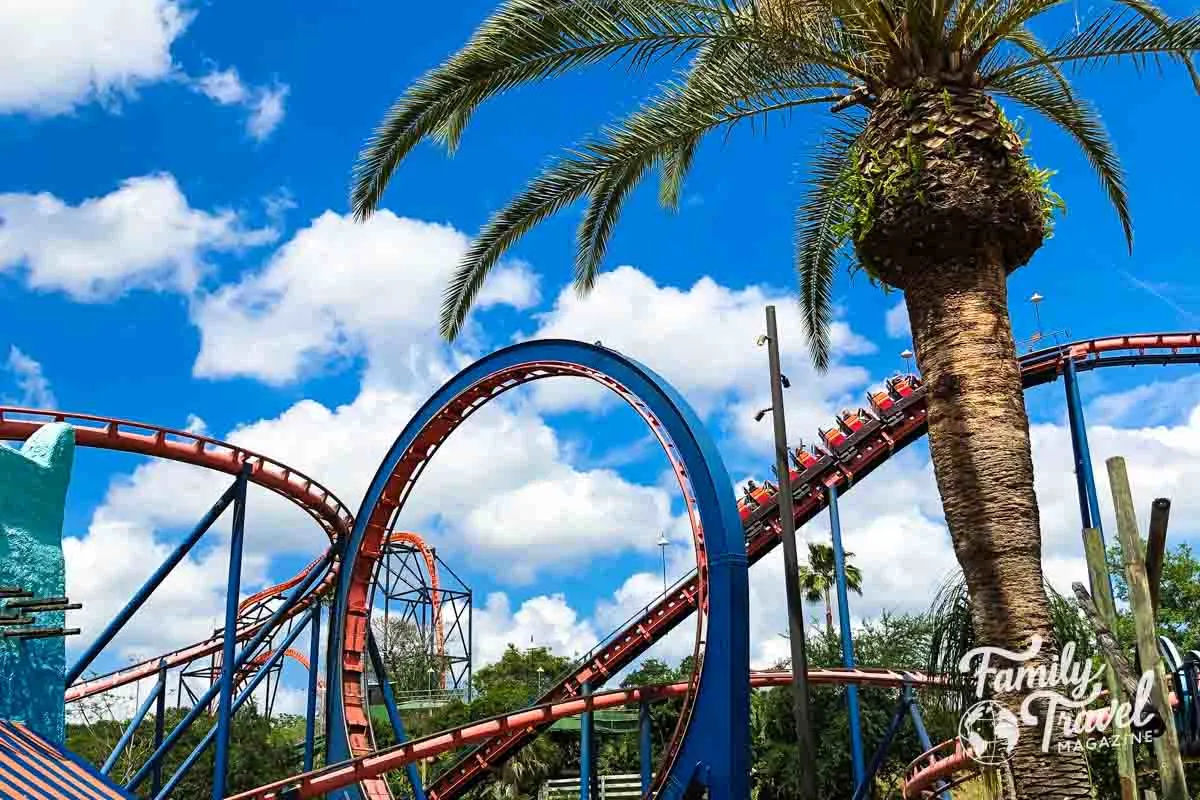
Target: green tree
(818, 578)
(924, 183)
(407, 655)
(1178, 598)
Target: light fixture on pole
(431, 671)
(907, 355)
(762, 413)
(791, 569)
(540, 672)
(1037, 299)
(662, 546)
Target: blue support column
(1083, 457)
(149, 586)
(914, 711)
(160, 721)
(159, 689)
(314, 672)
(202, 704)
(251, 687)
(389, 702)
(585, 749)
(839, 564)
(644, 743)
(228, 651)
(863, 788)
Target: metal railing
(614, 787)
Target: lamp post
(907, 355)
(791, 569)
(662, 546)
(431, 671)
(540, 672)
(1036, 300)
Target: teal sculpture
(33, 493)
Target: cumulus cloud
(339, 289)
(895, 322)
(264, 104)
(31, 382)
(144, 234)
(64, 54)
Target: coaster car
(897, 394)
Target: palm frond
(820, 234)
(681, 113)
(1040, 90)
(599, 219)
(522, 42)
(676, 164)
(1114, 35)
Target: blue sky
(175, 249)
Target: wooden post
(1166, 747)
(1156, 547)
(1093, 547)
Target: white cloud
(542, 621)
(62, 54)
(896, 321)
(143, 234)
(265, 104)
(339, 289)
(31, 381)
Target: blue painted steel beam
(644, 742)
(586, 741)
(389, 702)
(258, 678)
(149, 586)
(1079, 442)
(232, 600)
(914, 711)
(718, 736)
(160, 721)
(314, 670)
(847, 638)
(131, 728)
(266, 630)
(886, 743)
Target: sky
(176, 248)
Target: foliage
(751, 60)
(1179, 596)
(818, 578)
(407, 655)
(261, 750)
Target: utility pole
(662, 546)
(791, 572)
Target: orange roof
(33, 769)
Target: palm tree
(923, 183)
(819, 576)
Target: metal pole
(914, 711)
(585, 749)
(228, 668)
(149, 586)
(131, 729)
(251, 687)
(1079, 443)
(389, 702)
(314, 671)
(160, 721)
(886, 743)
(843, 597)
(470, 650)
(645, 742)
(265, 630)
(791, 575)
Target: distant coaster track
(877, 442)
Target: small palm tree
(923, 184)
(819, 577)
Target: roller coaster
(729, 535)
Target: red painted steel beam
(363, 768)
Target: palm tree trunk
(828, 614)
(979, 441)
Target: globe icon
(991, 731)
